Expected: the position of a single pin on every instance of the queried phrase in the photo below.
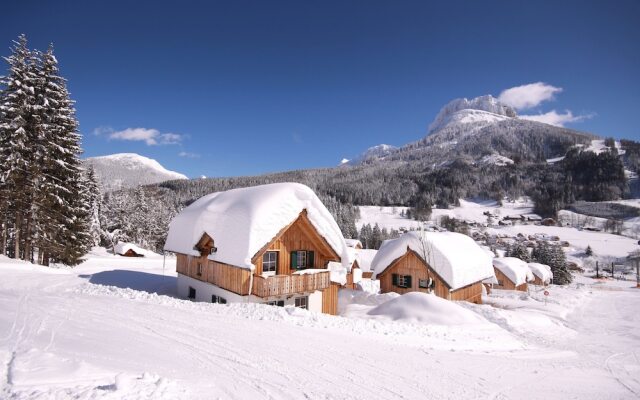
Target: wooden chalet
(450, 265)
(288, 264)
(128, 250)
(511, 274)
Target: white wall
(205, 290)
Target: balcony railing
(280, 285)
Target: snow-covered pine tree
(95, 202)
(18, 128)
(588, 251)
(64, 187)
(518, 250)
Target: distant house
(450, 265)
(275, 244)
(541, 273)
(363, 261)
(511, 274)
(129, 250)
(353, 243)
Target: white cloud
(528, 96)
(554, 118)
(102, 130)
(188, 155)
(152, 137)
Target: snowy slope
(126, 170)
(110, 329)
(372, 153)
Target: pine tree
(17, 131)
(588, 251)
(518, 250)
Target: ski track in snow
(62, 336)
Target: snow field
(64, 335)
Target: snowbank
(426, 308)
(514, 268)
(454, 256)
(242, 221)
(542, 271)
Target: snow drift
(425, 308)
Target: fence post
(597, 271)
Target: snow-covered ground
(111, 329)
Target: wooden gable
(411, 263)
(298, 235)
(204, 244)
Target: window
(500, 282)
(270, 261)
(192, 293)
(213, 250)
(302, 259)
(427, 284)
(279, 303)
(403, 281)
(218, 299)
(199, 269)
(302, 302)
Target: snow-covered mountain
(372, 153)
(483, 109)
(480, 127)
(125, 170)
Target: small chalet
(451, 265)
(275, 244)
(128, 250)
(542, 274)
(363, 261)
(511, 274)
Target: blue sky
(240, 87)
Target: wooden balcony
(281, 285)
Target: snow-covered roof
(364, 259)
(122, 247)
(515, 269)
(454, 256)
(353, 243)
(242, 221)
(542, 271)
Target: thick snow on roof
(123, 247)
(514, 268)
(364, 259)
(454, 256)
(542, 271)
(353, 242)
(242, 221)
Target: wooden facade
(538, 281)
(131, 253)
(280, 285)
(507, 284)
(330, 299)
(411, 264)
(300, 235)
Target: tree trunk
(27, 239)
(17, 228)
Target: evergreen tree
(17, 126)
(518, 250)
(588, 251)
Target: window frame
(199, 268)
(275, 267)
(302, 254)
(301, 302)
